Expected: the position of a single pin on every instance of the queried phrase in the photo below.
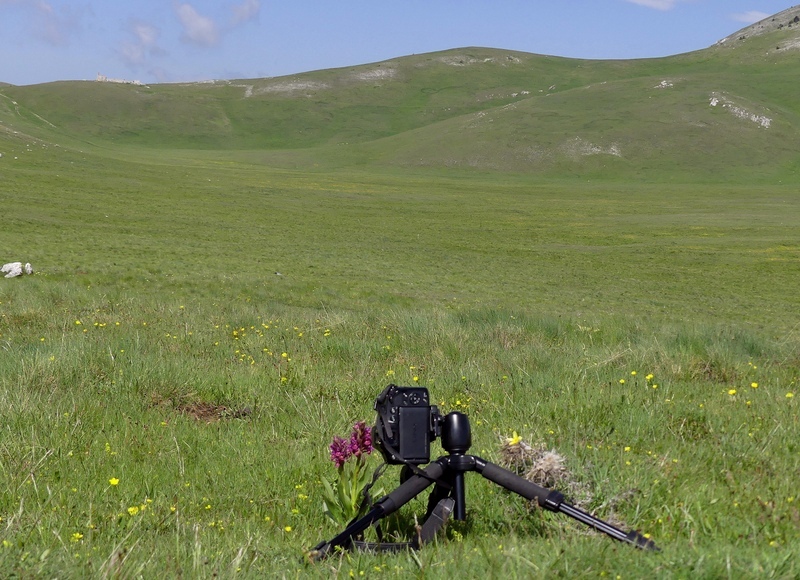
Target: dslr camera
(406, 425)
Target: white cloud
(247, 10)
(146, 34)
(204, 30)
(197, 29)
(750, 17)
(143, 45)
(54, 27)
(132, 53)
(49, 26)
(656, 4)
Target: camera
(406, 425)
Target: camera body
(406, 425)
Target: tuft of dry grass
(545, 467)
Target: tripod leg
(459, 495)
(438, 494)
(554, 501)
(387, 505)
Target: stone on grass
(14, 269)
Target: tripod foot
(425, 533)
(437, 520)
(641, 541)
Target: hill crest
(787, 20)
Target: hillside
(726, 112)
(786, 20)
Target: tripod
(447, 473)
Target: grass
(524, 304)
(203, 321)
(701, 465)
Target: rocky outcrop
(788, 19)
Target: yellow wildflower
(515, 439)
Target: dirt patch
(578, 147)
(204, 411)
(376, 74)
(292, 87)
(209, 412)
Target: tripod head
(456, 433)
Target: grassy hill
(728, 112)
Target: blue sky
(190, 40)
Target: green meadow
(223, 285)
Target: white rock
(14, 269)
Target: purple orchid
(360, 443)
(361, 439)
(340, 451)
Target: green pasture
(280, 303)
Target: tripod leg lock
(553, 501)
